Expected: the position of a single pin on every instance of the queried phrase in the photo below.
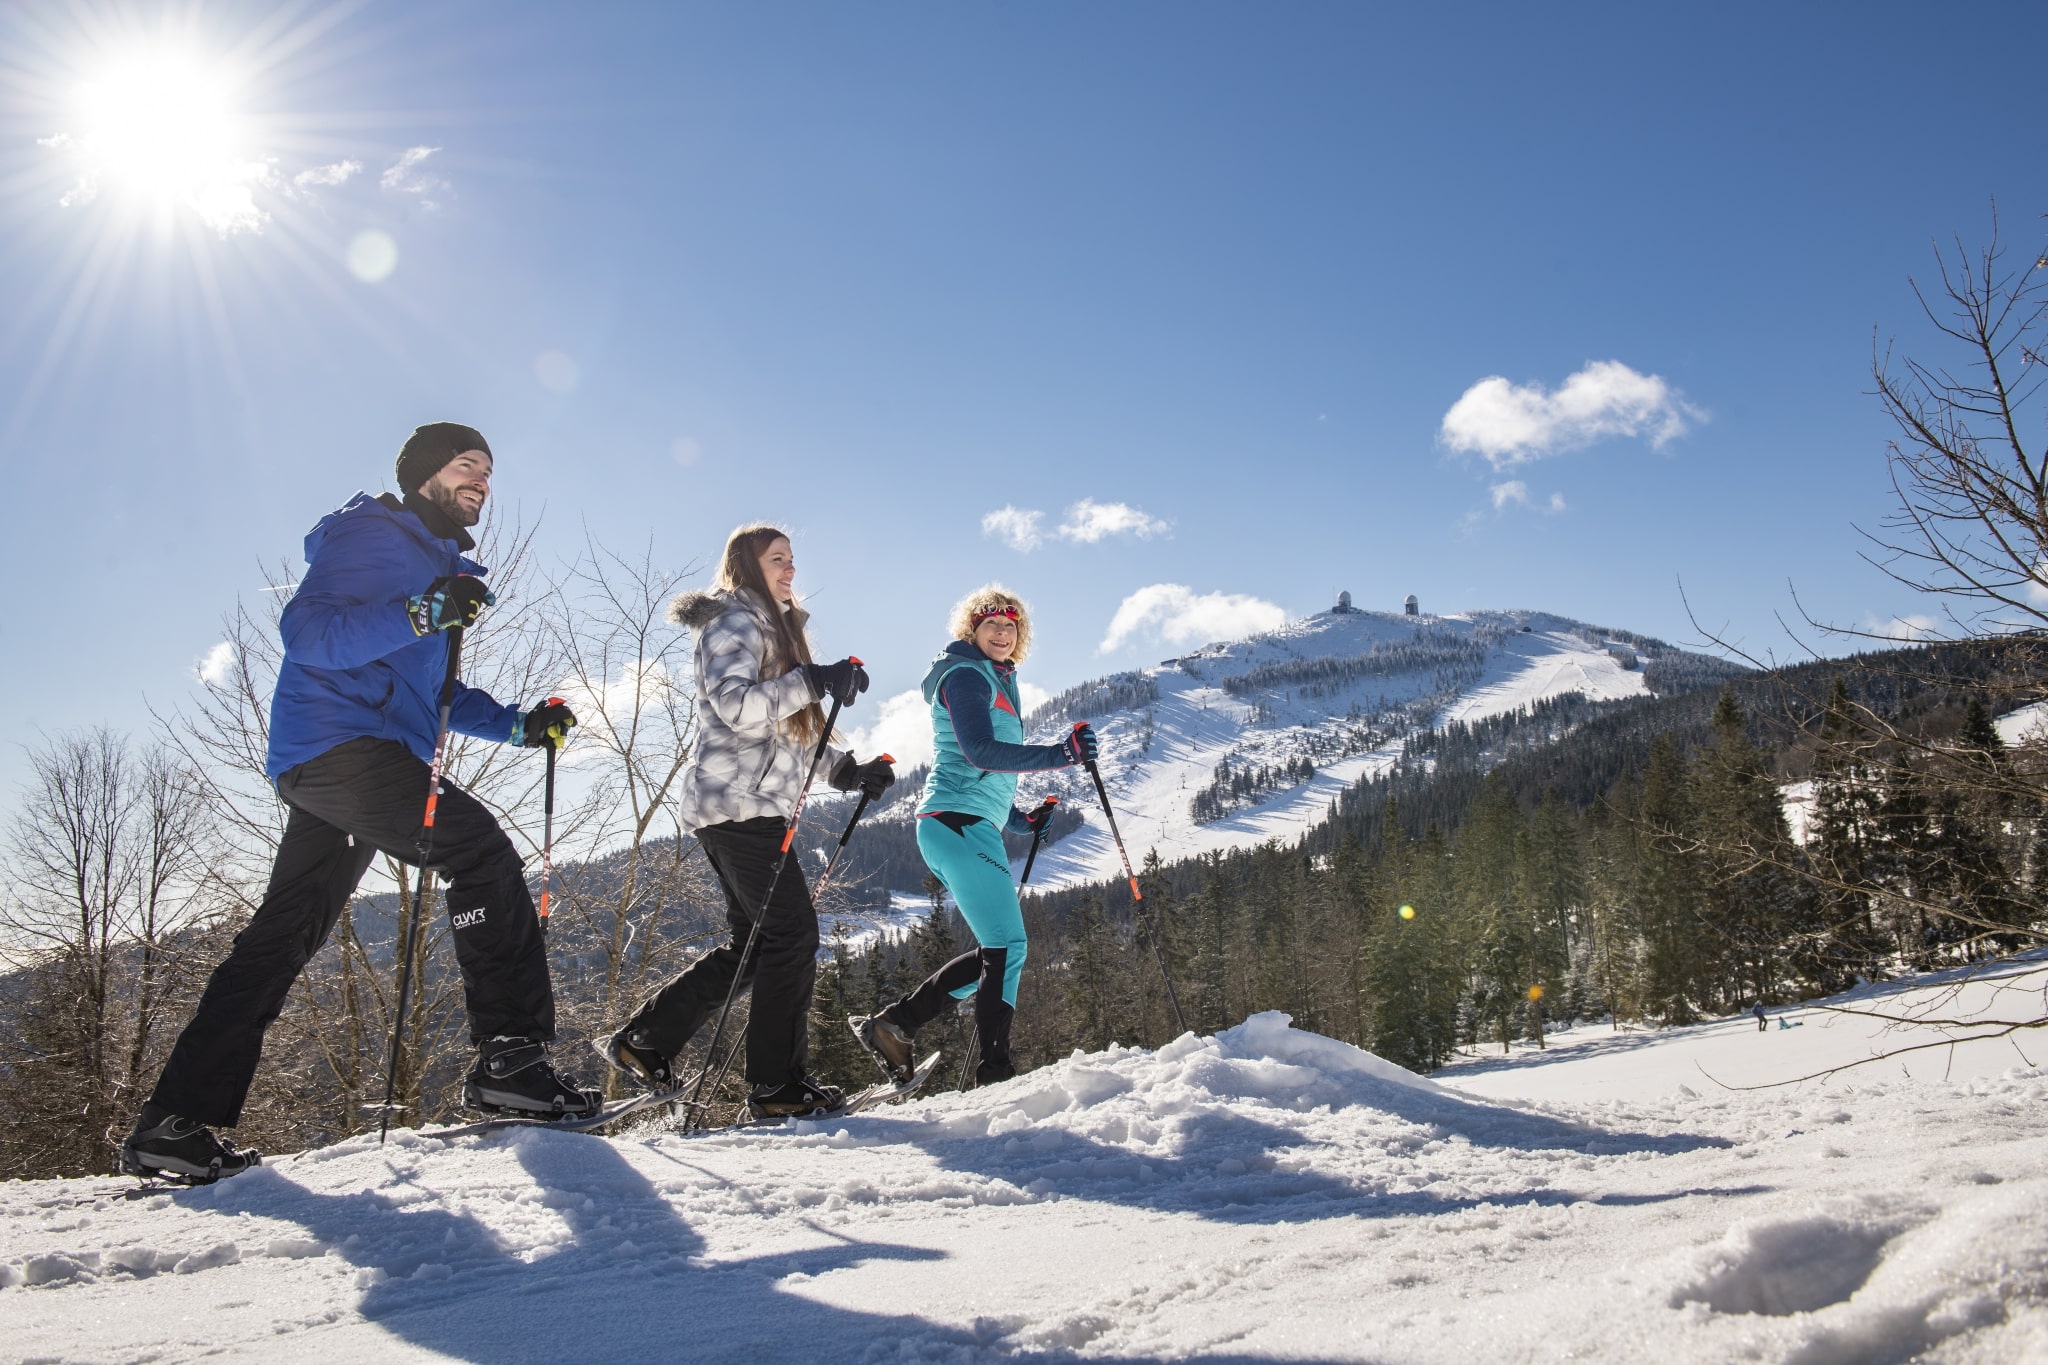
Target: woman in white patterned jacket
(759, 721)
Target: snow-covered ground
(2028, 725)
(1158, 756)
(1263, 1195)
(865, 928)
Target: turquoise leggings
(976, 869)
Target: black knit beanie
(432, 446)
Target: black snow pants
(992, 1014)
(782, 972)
(359, 799)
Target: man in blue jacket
(352, 731)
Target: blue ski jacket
(353, 666)
(978, 739)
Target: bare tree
(634, 896)
(1930, 829)
(103, 865)
(1970, 487)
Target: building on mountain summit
(1343, 604)
(1411, 606)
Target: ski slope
(1266, 1194)
(1156, 757)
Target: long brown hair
(787, 645)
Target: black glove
(870, 779)
(454, 601)
(841, 682)
(1041, 817)
(1080, 743)
(548, 723)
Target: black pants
(782, 972)
(992, 1014)
(358, 799)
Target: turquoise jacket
(978, 738)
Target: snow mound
(1262, 1194)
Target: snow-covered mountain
(1238, 743)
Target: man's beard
(451, 505)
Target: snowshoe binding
(629, 1052)
(794, 1099)
(181, 1151)
(886, 1042)
(514, 1076)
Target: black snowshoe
(886, 1042)
(182, 1151)
(794, 1099)
(628, 1052)
(514, 1076)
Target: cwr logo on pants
(466, 919)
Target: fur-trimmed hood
(695, 610)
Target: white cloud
(1511, 424)
(404, 176)
(1032, 695)
(2037, 585)
(1908, 628)
(902, 728)
(1516, 492)
(1174, 613)
(1089, 521)
(217, 667)
(337, 174)
(643, 683)
(1015, 527)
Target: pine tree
(1842, 837)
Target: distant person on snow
(978, 739)
(352, 730)
(1763, 1024)
(760, 720)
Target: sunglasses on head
(1007, 613)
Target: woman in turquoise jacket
(978, 738)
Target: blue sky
(880, 271)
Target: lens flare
(372, 256)
(1407, 912)
(1535, 992)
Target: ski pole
(1046, 809)
(547, 826)
(419, 902)
(754, 931)
(1137, 896)
(859, 808)
(967, 1054)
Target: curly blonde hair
(987, 598)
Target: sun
(164, 131)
